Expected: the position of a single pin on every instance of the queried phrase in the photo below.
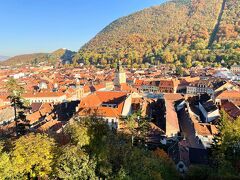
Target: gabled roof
(173, 97)
(166, 83)
(209, 106)
(35, 107)
(227, 94)
(90, 101)
(231, 109)
(46, 108)
(48, 125)
(99, 111)
(34, 117)
(103, 97)
(115, 97)
(205, 129)
(43, 94)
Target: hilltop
(184, 32)
(64, 55)
(24, 59)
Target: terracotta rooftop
(228, 94)
(99, 111)
(231, 109)
(173, 97)
(43, 94)
(205, 129)
(34, 117)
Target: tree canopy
(99, 153)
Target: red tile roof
(99, 111)
(229, 94)
(43, 94)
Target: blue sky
(28, 26)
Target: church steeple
(119, 68)
(120, 75)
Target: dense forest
(183, 32)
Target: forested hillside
(26, 58)
(187, 32)
(64, 55)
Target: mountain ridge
(63, 54)
(201, 29)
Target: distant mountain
(64, 54)
(52, 58)
(183, 32)
(3, 58)
(24, 59)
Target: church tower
(120, 75)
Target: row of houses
(188, 85)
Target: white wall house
(199, 89)
(209, 111)
(45, 98)
(127, 108)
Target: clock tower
(120, 75)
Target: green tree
(78, 134)
(5, 164)
(19, 104)
(32, 156)
(188, 61)
(137, 126)
(226, 148)
(145, 165)
(168, 57)
(179, 71)
(73, 163)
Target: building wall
(112, 121)
(163, 89)
(127, 106)
(191, 90)
(208, 116)
(213, 115)
(80, 93)
(120, 78)
(235, 69)
(46, 99)
(199, 90)
(205, 140)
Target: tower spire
(120, 75)
(119, 67)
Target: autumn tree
(78, 134)
(5, 164)
(74, 163)
(168, 57)
(188, 61)
(32, 156)
(226, 148)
